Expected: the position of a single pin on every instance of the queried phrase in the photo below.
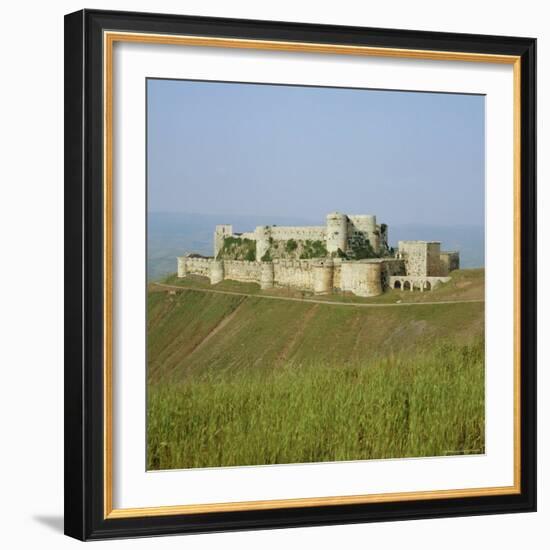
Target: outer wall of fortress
(417, 264)
(321, 276)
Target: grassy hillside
(235, 380)
(191, 331)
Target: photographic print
(300, 280)
(315, 274)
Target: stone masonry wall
(198, 266)
(390, 268)
(394, 266)
(422, 258)
(293, 273)
(369, 277)
(363, 278)
(247, 235)
(337, 274)
(433, 261)
(312, 233)
(248, 272)
(414, 253)
(449, 262)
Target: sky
(233, 149)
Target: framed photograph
(300, 274)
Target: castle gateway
(350, 253)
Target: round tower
(267, 275)
(337, 232)
(368, 281)
(216, 272)
(363, 278)
(323, 276)
(374, 279)
(366, 224)
(182, 266)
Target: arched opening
(397, 285)
(406, 285)
(428, 285)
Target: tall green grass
(399, 406)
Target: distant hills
(173, 234)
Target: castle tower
(422, 258)
(372, 283)
(221, 232)
(363, 278)
(216, 272)
(323, 276)
(366, 224)
(337, 232)
(182, 266)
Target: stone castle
(348, 254)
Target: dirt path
(312, 300)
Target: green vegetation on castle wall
(313, 249)
(236, 248)
(293, 249)
(291, 245)
(361, 250)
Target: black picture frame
(84, 281)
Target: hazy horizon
(232, 149)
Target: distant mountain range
(174, 234)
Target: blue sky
(245, 149)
